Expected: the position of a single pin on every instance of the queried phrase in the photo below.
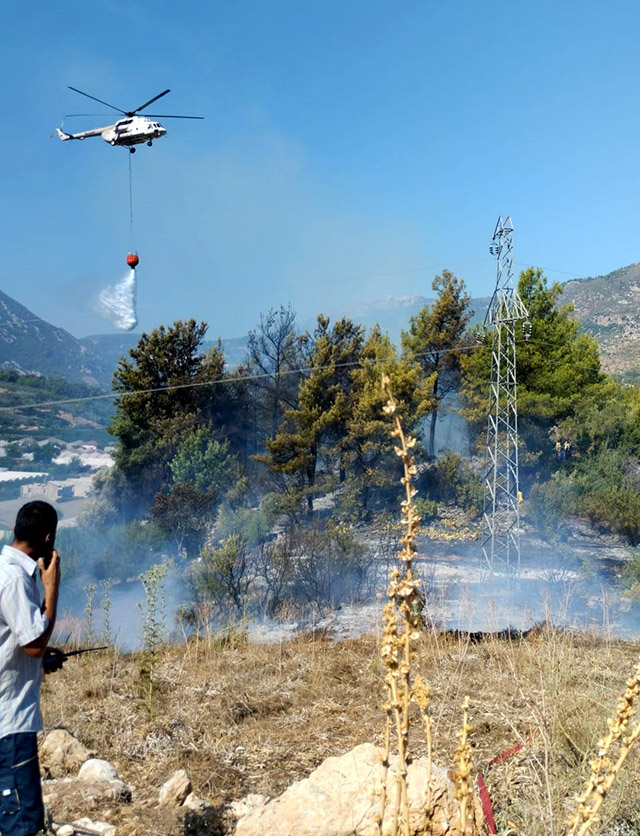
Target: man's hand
(53, 660)
(50, 575)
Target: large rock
(101, 778)
(96, 770)
(194, 802)
(98, 827)
(174, 791)
(342, 798)
(61, 753)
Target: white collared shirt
(21, 622)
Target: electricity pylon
(501, 512)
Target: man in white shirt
(25, 630)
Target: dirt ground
(248, 718)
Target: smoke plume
(118, 302)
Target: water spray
(118, 302)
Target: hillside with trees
(215, 461)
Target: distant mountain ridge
(32, 345)
(608, 307)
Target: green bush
(608, 486)
(250, 524)
(224, 576)
(630, 578)
(458, 482)
(426, 507)
(549, 504)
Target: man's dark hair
(34, 521)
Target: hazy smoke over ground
(118, 302)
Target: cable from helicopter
(132, 256)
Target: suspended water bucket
(133, 260)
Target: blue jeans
(21, 808)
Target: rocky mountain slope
(30, 344)
(608, 307)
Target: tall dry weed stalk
(154, 620)
(464, 766)
(90, 591)
(402, 619)
(613, 751)
(106, 610)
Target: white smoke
(118, 302)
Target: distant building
(58, 490)
(36, 490)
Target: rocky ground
(245, 722)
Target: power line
(200, 384)
(237, 379)
(550, 269)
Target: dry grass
(254, 718)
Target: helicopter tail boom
(83, 134)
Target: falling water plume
(118, 302)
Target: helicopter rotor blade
(151, 101)
(168, 116)
(113, 107)
(69, 115)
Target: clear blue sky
(351, 150)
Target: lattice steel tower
(501, 513)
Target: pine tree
(163, 398)
(316, 428)
(435, 341)
(369, 457)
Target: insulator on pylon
(133, 260)
(526, 330)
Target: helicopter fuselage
(132, 130)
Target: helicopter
(132, 130)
